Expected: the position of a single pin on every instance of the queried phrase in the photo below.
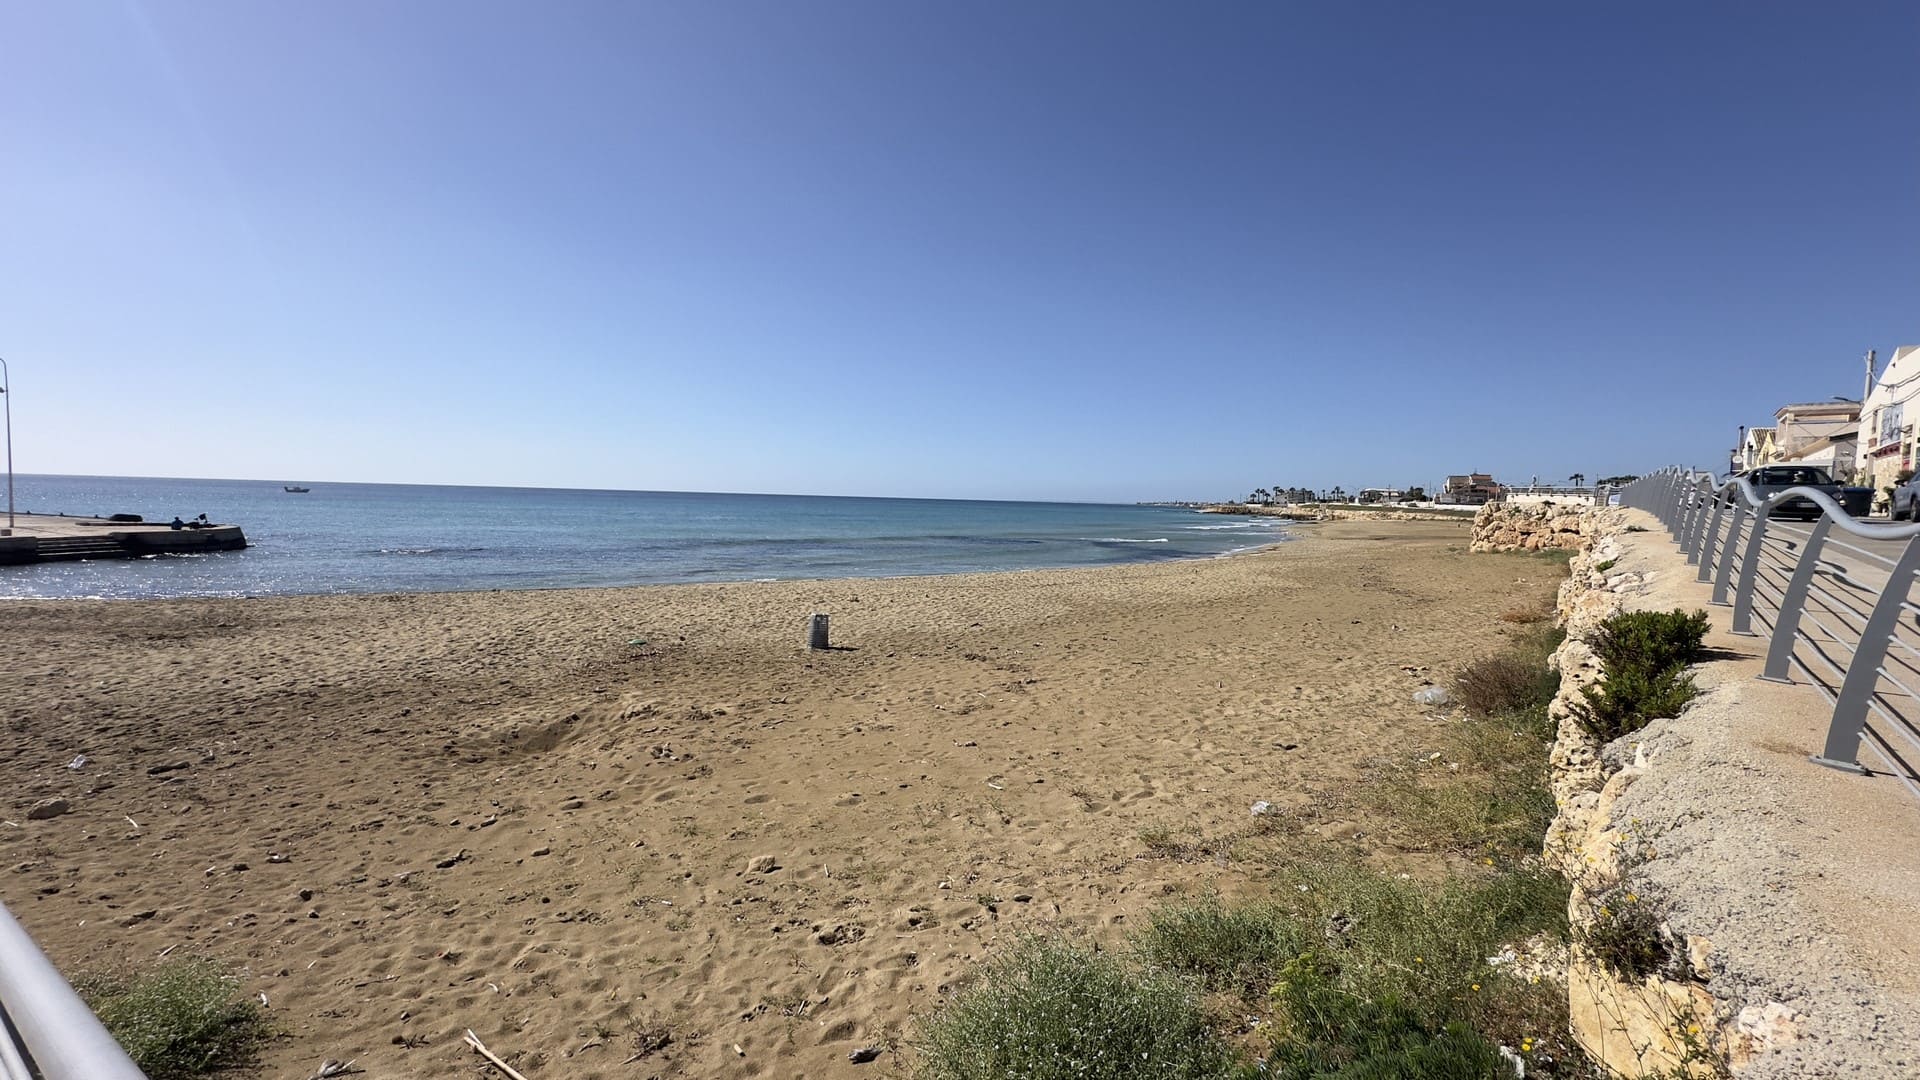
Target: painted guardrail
(1834, 599)
(46, 1031)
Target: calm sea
(352, 538)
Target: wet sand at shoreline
(546, 816)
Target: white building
(1887, 421)
(1756, 449)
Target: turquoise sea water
(352, 538)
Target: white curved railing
(46, 1031)
(1835, 600)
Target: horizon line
(602, 490)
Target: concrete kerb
(1798, 885)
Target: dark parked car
(1769, 480)
(1906, 500)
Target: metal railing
(1833, 598)
(46, 1031)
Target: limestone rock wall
(1544, 526)
(1667, 1023)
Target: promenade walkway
(1805, 879)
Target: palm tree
(1578, 478)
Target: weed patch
(1326, 1034)
(182, 1018)
(1624, 934)
(1505, 682)
(1485, 791)
(1370, 967)
(1183, 842)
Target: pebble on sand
(48, 808)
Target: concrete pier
(45, 538)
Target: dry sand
(400, 817)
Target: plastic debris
(1262, 807)
(79, 762)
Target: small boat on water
(295, 489)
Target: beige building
(1886, 442)
(1822, 433)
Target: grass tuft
(1240, 948)
(1052, 1009)
(181, 1018)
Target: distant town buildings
(1866, 443)
(1469, 489)
(1463, 489)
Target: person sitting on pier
(177, 523)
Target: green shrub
(1239, 947)
(1327, 1034)
(1643, 656)
(1603, 567)
(182, 1018)
(1652, 641)
(1057, 1009)
(1630, 699)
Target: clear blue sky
(1072, 250)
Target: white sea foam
(1123, 540)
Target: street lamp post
(6, 401)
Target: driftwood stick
(474, 1041)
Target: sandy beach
(549, 816)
